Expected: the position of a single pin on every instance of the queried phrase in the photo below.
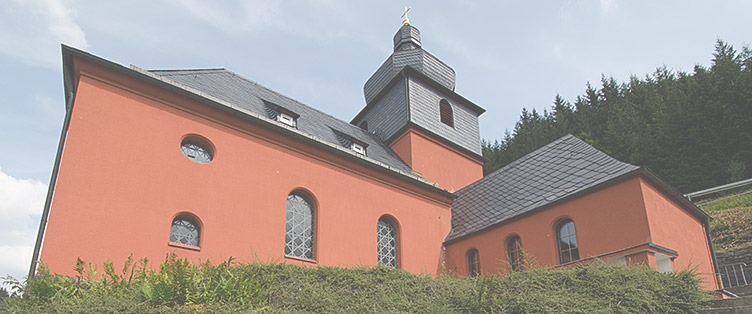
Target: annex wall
(676, 228)
(606, 220)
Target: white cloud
(32, 31)
(310, 19)
(239, 16)
(607, 5)
(20, 209)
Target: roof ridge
(520, 160)
(194, 70)
(289, 98)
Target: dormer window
(286, 119)
(360, 149)
(280, 114)
(350, 142)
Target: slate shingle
(560, 169)
(249, 95)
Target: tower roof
(408, 52)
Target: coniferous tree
(693, 129)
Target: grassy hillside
(731, 228)
(181, 287)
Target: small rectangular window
(286, 119)
(358, 148)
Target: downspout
(712, 255)
(53, 177)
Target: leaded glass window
(514, 252)
(185, 231)
(386, 243)
(196, 151)
(567, 240)
(473, 263)
(299, 227)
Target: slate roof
(560, 169)
(237, 90)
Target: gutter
(69, 96)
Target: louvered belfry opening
(447, 116)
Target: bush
(179, 286)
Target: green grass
(731, 227)
(719, 203)
(178, 286)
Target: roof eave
(408, 70)
(665, 186)
(613, 180)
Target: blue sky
(507, 55)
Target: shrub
(179, 286)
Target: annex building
(209, 164)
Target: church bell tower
(412, 106)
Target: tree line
(692, 129)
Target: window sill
(302, 259)
(184, 246)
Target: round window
(196, 150)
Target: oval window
(196, 150)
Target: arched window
(514, 252)
(567, 240)
(473, 263)
(386, 243)
(447, 116)
(299, 227)
(185, 231)
(364, 125)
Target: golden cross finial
(406, 21)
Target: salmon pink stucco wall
(672, 226)
(618, 220)
(437, 161)
(123, 178)
(606, 220)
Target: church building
(210, 165)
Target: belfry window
(514, 252)
(197, 150)
(185, 231)
(473, 263)
(447, 115)
(386, 243)
(567, 242)
(299, 236)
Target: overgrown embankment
(182, 287)
(731, 228)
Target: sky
(507, 55)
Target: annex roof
(560, 169)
